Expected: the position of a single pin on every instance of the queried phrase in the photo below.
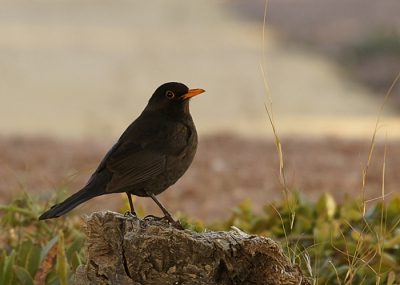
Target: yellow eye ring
(169, 95)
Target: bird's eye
(169, 94)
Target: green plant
(343, 244)
(33, 252)
(338, 242)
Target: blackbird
(151, 155)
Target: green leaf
(8, 272)
(46, 264)
(33, 261)
(326, 207)
(47, 248)
(75, 261)
(392, 243)
(52, 277)
(24, 252)
(391, 278)
(62, 265)
(2, 266)
(76, 246)
(351, 212)
(29, 256)
(23, 275)
(323, 232)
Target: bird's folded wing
(136, 161)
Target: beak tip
(193, 92)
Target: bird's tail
(70, 203)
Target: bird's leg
(168, 216)
(165, 211)
(131, 204)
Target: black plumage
(151, 155)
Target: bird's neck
(180, 116)
(175, 113)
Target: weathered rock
(126, 250)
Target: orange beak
(192, 93)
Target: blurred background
(75, 74)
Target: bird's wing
(145, 153)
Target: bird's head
(172, 98)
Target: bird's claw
(154, 218)
(131, 214)
(175, 224)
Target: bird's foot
(154, 218)
(169, 219)
(177, 224)
(131, 214)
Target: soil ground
(227, 170)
